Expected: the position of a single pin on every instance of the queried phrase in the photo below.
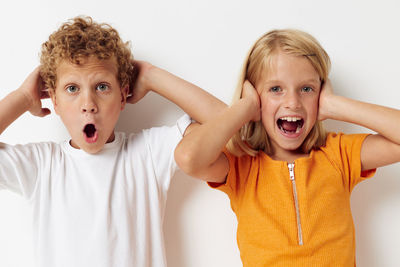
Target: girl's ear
(52, 94)
(124, 95)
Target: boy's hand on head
(324, 100)
(249, 93)
(139, 85)
(34, 91)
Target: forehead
(289, 68)
(87, 67)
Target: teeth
(291, 118)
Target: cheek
(67, 114)
(268, 110)
(312, 107)
(268, 105)
(114, 108)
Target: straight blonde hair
(252, 137)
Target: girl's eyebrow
(312, 80)
(317, 81)
(273, 81)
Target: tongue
(289, 126)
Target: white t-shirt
(98, 210)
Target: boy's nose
(89, 109)
(88, 105)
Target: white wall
(205, 42)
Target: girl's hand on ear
(34, 91)
(325, 97)
(138, 88)
(250, 94)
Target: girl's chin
(290, 143)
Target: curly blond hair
(80, 38)
(253, 137)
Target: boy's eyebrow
(98, 75)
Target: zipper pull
(291, 171)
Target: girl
(288, 181)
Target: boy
(98, 200)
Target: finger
(41, 112)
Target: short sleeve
(162, 141)
(19, 168)
(345, 152)
(239, 169)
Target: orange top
(300, 221)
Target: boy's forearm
(199, 104)
(11, 107)
(383, 120)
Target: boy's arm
(377, 150)
(26, 98)
(197, 103)
(199, 154)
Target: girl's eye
(102, 87)
(275, 89)
(306, 89)
(72, 89)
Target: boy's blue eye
(275, 89)
(72, 89)
(102, 87)
(306, 89)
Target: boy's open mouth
(290, 125)
(90, 133)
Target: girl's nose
(292, 100)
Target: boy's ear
(52, 93)
(124, 95)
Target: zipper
(296, 203)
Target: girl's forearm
(383, 120)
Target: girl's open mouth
(290, 125)
(90, 133)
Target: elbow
(185, 159)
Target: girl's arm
(200, 105)
(199, 154)
(377, 150)
(26, 98)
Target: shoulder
(165, 136)
(342, 150)
(157, 139)
(241, 165)
(40, 147)
(175, 130)
(343, 141)
(32, 156)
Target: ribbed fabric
(261, 195)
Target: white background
(205, 42)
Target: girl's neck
(288, 155)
